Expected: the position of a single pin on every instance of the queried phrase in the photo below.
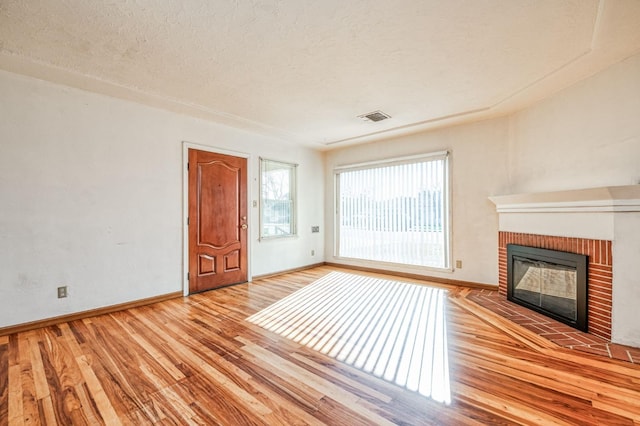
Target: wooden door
(217, 220)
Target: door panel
(217, 220)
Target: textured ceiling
(304, 70)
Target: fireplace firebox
(551, 282)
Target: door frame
(185, 204)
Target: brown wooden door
(217, 220)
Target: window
(395, 211)
(277, 199)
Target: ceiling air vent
(374, 116)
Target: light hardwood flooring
(198, 360)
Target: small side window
(277, 199)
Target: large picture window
(395, 211)
(277, 199)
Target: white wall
(478, 170)
(585, 136)
(91, 197)
(625, 327)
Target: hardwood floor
(197, 360)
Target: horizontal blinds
(394, 211)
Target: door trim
(186, 145)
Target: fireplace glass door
(551, 282)
(548, 286)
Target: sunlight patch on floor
(395, 331)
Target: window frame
(446, 218)
(293, 191)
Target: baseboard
(447, 281)
(85, 314)
(148, 301)
(287, 271)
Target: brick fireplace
(600, 278)
(601, 223)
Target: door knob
(244, 226)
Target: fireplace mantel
(604, 199)
(581, 213)
(608, 214)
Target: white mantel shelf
(604, 199)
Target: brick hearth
(557, 332)
(600, 276)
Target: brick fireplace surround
(602, 223)
(599, 279)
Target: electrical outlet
(458, 264)
(313, 252)
(62, 292)
(315, 229)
